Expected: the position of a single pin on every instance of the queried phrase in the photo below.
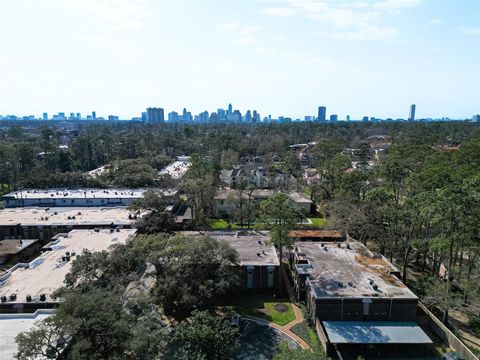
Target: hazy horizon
(280, 57)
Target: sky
(280, 57)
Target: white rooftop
(176, 169)
(13, 324)
(47, 272)
(76, 193)
(66, 216)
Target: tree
(204, 337)
(191, 272)
(280, 214)
(200, 184)
(94, 325)
(157, 219)
(44, 340)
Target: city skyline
(284, 56)
(161, 115)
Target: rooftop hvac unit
(43, 297)
(3, 299)
(13, 297)
(28, 298)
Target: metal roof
(375, 332)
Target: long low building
(44, 223)
(258, 258)
(27, 287)
(226, 203)
(355, 297)
(75, 197)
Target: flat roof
(85, 193)
(315, 234)
(350, 270)
(65, 216)
(47, 272)
(176, 169)
(375, 332)
(13, 324)
(14, 246)
(252, 247)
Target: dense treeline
(43, 156)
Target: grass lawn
(307, 334)
(317, 222)
(220, 224)
(280, 313)
(265, 306)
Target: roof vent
(375, 287)
(340, 284)
(259, 254)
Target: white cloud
(395, 5)
(226, 27)
(372, 32)
(358, 20)
(278, 11)
(115, 14)
(469, 30)
(239, 34)
(435, 21)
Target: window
(270, 278)
(250, 277)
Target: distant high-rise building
(412, 113)
(365, 119)
(222, 114)
(173, 117)
(322, 114)
(112, 118)
(155, 115)
(79, 116)
(203, 117)
(45, 116)
(248, 116)
(94, 115)
(230, 108)
(334, 118)
(72, 116)
(348, 118)
(256, 116)
(61, 116)
(476, 118)
(213, 118)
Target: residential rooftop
(66, 216)
(348, 270)
(225, 194)
(47, 272)
(252, 247)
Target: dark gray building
(354, 297)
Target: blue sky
(281, 57)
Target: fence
(445, 334)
